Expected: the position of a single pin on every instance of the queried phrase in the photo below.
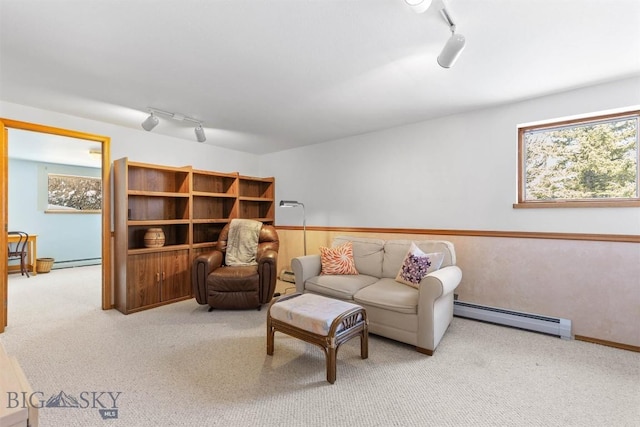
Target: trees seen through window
(594, 160)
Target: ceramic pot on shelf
(154, 238)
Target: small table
(318, 320)
(31, 253)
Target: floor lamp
(295, 204)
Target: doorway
(104, 144)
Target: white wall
(139, 145)
(456, 172)
(65, 237)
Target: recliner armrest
(269, 256)
(204, 264)
(267, 271)
(305, 267)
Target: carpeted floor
(179, 365)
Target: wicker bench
(318, 320)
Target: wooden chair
(18, 250)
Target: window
(74, 194)
(580, 163)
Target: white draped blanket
(242, 244)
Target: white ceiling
(43, 147)
(268, 75)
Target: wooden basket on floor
(43, 265)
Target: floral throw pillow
(338, 260)
(417, 264)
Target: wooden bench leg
(270, 336)
(331, 363)
(364, 343)
(353, 321)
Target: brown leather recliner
(237, 287)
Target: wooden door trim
(4, 219)
(106, 194)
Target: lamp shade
(295, 204)
(451, 51)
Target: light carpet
(179, 365)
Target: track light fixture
(200, 133)
(152, 121)
(418, 6)
(454, 46)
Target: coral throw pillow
(417, 264)
(338, 260)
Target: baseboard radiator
(517, 319)
(70, 263)
(287, 276)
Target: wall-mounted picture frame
(73, 194)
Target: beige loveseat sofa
(417, 316)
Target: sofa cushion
(338, 259)
(417, 265)
(395, 251)
(367, 253)
(338, 286)
(389, 295)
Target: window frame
(564, 203)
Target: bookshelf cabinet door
(143, 280)
(176, 277)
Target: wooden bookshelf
(191, 207)
(256, 198)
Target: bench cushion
(312, 313)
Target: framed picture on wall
(74, 194)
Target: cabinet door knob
(157, 277)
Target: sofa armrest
(203, 265)
(435, 306)
(305, 267)
(441, 282)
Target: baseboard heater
(517, 319)
(287, 276)
(70, 263)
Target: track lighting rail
(152, 121)
(176, 116)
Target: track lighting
(454, 46)
(200, 133)
(152, 121)
(418, 6)
(451, 51)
